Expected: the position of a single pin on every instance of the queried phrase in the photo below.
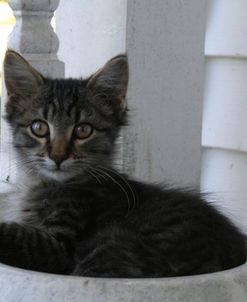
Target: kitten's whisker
(98, 173)
(117, 183)
(124, 180)
(93, 175)
(30, 170)
(22, 164)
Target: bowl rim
(226, 274)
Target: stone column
(33, 37)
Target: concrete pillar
(165, 45)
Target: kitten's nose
(58, 158)
(59, 151)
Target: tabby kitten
(82, 217)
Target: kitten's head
(63, 128)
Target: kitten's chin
(55, 175)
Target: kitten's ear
(112, 80)
(21, 78)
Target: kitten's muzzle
(59, 150)
(58, 158)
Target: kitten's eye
(39, 128)
(83, 131)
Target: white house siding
(224, 136)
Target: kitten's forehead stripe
(65, 93)
(45, 112)
(72, 107)
(66, 100)
(77, 116)
(53, 108)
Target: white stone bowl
(18, 285)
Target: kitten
(84, 218)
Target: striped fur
(80, 216)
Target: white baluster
(33, 35)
